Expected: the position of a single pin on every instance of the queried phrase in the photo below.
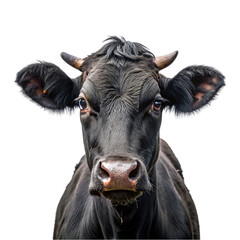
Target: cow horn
(72, 60)
(166, 60)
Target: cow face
(121, 96)
(121, 108)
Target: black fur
(158, 214)
(120, 48)
(121, 84)
(60, 89)
(182, 89)
(117, 51)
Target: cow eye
(83, 104)
(157, 105)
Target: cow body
(154, 215)
(129, 184)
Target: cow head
(121, 96)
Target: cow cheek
(147, 145)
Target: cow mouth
(121, 197)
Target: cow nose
(119, 174)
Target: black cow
(129, 184)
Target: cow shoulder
(175, 171)
(63, 209)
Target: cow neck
(123, 214)
(155, 155)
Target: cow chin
(121, 197)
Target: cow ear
(48, 85)
(192, 88)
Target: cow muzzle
(119, 174)
(120, 179)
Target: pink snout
(119, 174)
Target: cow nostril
(103, 173)
(134, 173)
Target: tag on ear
(193, 87)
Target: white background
(39, 149)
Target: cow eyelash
(76, 101)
